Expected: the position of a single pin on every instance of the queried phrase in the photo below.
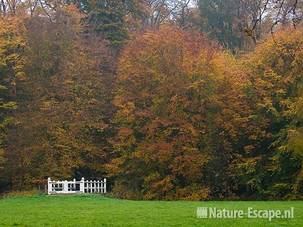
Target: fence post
(49, 186)
(65, 186)
(74, 185)
(104, 185)
(82, 185)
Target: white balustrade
(71, 187)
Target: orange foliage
(183, 101)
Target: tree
(59, 129)
(162, 11)
(219, 21)
(111, 18)
(12, 62)
(295, 145)
(275, 75)
(182, 118)
(240, 24)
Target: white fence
(70, 187)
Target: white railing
(70, 187)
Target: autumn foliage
(184, 121)
(170, 116)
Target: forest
(167, 99)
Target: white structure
(71, 187)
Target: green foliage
(219, 21)
(109, 17)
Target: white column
(82, 185)
(65, 186)
(74, 185)
(104, 185)
(49, 186)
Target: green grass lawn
(100, 211)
